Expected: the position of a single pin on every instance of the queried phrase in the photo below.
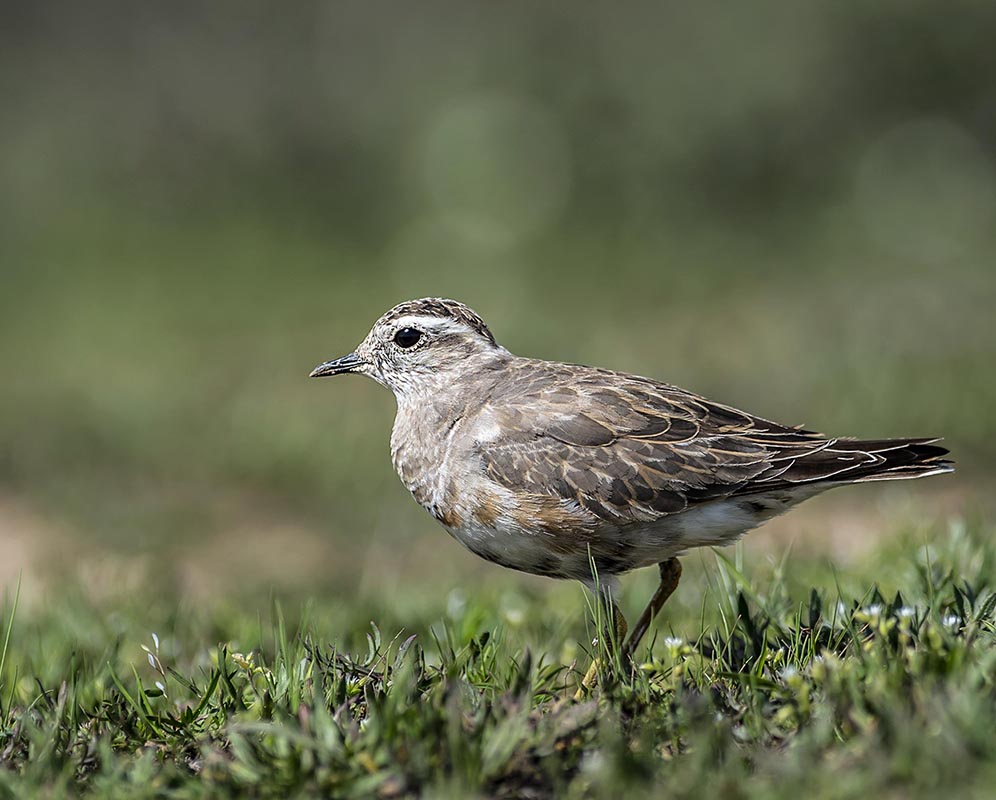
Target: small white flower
(905, 612)
(673, 641)
(950, 621)
(841, 609)
(789, 672)
(874, 610)
(514, 616)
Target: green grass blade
(6, 645)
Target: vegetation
(767, 690)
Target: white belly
(618, 549)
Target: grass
(770, 688)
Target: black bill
(337, 366)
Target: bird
(578, 472)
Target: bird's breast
(422, 454)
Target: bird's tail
(894, 459)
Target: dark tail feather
(893, 459)
(838, 461)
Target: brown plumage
(554, 468)
(631, 449)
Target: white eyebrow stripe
(432, 323)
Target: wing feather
(628, 448)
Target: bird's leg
(670, 575)
(619, 633)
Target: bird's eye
(407, 337)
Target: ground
(777, 670)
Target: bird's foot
(590, 679)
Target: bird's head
(420, 346)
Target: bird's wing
(629, 449)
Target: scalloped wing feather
(628, 449)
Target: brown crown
(445, 309)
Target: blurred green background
(788, 207)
